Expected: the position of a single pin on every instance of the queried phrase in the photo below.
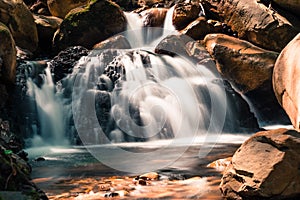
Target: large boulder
(247, 66)
(286, 80)
(60, 8)
(7, 55)
(290, 5)
(89, 25)
(254, 22)
(265, 166)
(15, 15)
(185, 13)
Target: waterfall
(49, 111)
(130, 95)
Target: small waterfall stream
(49, 108)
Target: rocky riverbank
(252, 44)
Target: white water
(169, 95)
(51, 120)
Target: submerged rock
(286, 80)
(265, 166)
(86, 26)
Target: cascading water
(49, 111)
(130, 95)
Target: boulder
(63, 63)
(265, 166)
(46, 27)
(15, 15)
(246, 66)
(115, 42)
(185, 13)
(154, 17)
(289, 5)
(7, 55)
(60, 8)
(199, 28)
(254, 22)
(286, 82)
(89, 25)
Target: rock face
(289, 5)
(254, 22)
(248, 67)
(60, 8)
(185, 13)
(15, 15)
(265, 166)
(286, 82)
(89, 25)
(7, 55)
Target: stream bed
(74, 173)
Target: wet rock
(246, 66)
(60, 9)
(289, 5)
(46, 27)
(16, 16)
(154, 17)
(285, 80)
(185, 13)
(23, 54)
(87, 26)
(7, 55)
(115, 42)
(254, 22)
(265, 166)
(63, 63)
(149, 176)
(220, 164)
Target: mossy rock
(89, 25)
